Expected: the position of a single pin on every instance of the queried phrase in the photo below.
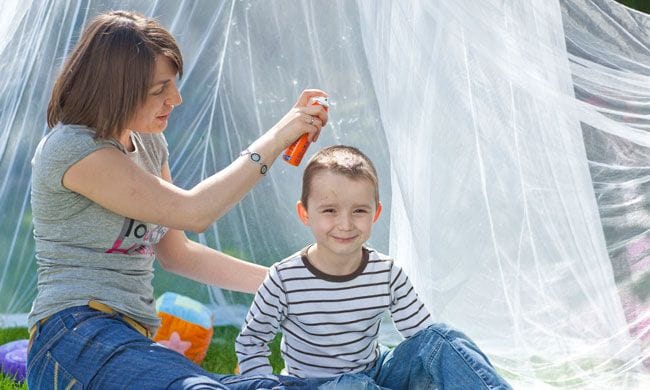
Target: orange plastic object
(296, 151)
(184, 337)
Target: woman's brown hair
(109, 72)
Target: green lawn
(220, 358)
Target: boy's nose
(345, 222)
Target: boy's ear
(377, 212)
(302, 212)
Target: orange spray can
(296, 151)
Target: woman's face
(152, 116)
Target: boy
(329, 298)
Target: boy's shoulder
(378, 262)
(381, 261)
(291, 261)
(376, 256)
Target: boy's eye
(328, 211)
(361, 211)
(158, 92)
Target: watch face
(255, 157)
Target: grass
(220, 357)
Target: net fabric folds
(511, 141)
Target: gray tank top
(83, 250)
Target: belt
(104, 308)
(32, 330)
(93, 304)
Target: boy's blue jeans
(438, 357)
(84, 348)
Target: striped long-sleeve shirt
(330, 324)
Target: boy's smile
(340, 214)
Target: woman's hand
(302, 118)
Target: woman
(104, 207)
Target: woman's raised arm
(128, 190)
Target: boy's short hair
(343, 160)
(109, 72)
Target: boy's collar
(365, 255)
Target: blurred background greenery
(641, 5)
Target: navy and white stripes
(330, 324)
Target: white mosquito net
(512, 140)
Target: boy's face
(340, 213)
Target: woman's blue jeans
(84, 348)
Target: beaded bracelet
(256, 158)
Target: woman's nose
(174, 99)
